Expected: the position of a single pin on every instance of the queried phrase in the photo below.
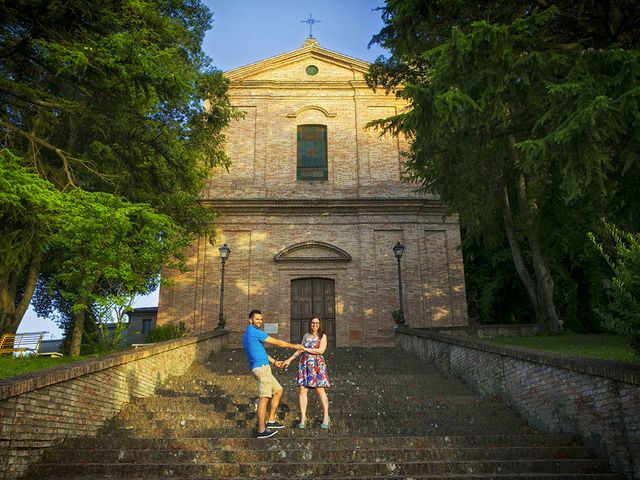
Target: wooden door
(313, 297)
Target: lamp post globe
(398, 250)
(225, 251)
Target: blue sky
(246, 31)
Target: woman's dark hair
(320, 329)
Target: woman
(312, 370)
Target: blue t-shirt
(252, 343)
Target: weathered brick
(77, 401)
(600, 401)
(363, 208)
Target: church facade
(311, 209)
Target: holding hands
(285, 363)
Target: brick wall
(366, 286)
(597, 400)
(41, 409)
(363, 208)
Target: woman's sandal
(325, 425)
(301, 425)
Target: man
(260, 362)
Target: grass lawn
(11, 366)
(599, 346)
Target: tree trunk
(545, 284)
(544, 280)
(516, 254)
(76, 334)
(14, 302)
(540, 293)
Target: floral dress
(312, 371)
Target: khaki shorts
(267, 383)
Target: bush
(168, 331)
(623, 255)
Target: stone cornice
(310, 50)
(314, 206)
(300, 85)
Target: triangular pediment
(292, 66)
(312, 251)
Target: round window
(311, 70)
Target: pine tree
(523, 117)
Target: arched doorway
(313, 297)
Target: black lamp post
(398, 250)
(224, 255)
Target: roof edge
(287, 57)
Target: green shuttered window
(312, 152)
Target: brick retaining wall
(597, 400)
(41, 409)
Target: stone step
(325, 443)
(239, 428)
(290, 398)
(313, 469)
(205, 407)
(203, 374)
(201, 413)
(364, 373)
(311, 455)
(354, 423)
(478, 476)
(409, 392)
(393, 416)
(341, 430)
(246, 388)
(199, 372)
(349, 398)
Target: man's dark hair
(253, 312)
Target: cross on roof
(310, 21)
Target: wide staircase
(392, 416)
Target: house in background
(141, 321)
(50, 346)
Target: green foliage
(168, 331)
(622, 253)
(524, 119)
(29, 211)
(113, 95)
(115, 104)
(122, 246)
(397, 316)
(110, 310)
